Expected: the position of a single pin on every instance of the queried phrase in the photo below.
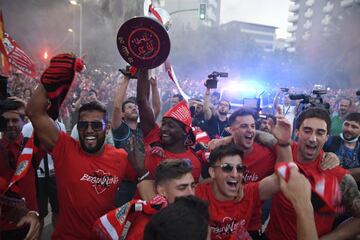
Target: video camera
(312, 101)
(213, 79)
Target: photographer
(288, 110)
(216, 123)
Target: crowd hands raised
(142, 163)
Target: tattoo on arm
(350, 195)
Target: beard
(224, 113)
(131, 117)
(349, 137)
(99, 144)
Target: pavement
(48, 228)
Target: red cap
(181, 113)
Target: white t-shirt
(27, 132)
(289, 113)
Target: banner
(4, 64)
(16, 57)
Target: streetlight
(70, 30)
(73, 2)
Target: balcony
(309, 13)
(292, 29)
(306, 36)
(307, 25)
(291, 49)
(309, 3)
(346, 3)
(328, 7)
(294, 7)
(293, 18)
(326, 20)
(291, 39)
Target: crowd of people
(124, 158)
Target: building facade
(262, 35)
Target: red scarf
(112, 225)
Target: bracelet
(143, 176)
(34, 212)
(284, 144)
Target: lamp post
(70, 30)
(73, 2)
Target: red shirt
(283, 217)
(259, 162)
(86, 185)
(137, 227)
(229, 216)
(153, 160)
(26, 185)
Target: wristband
(284, 144)
(34, 212)
(143, 176)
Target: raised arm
(276, 100)
(44, 126)
(155, 97)
(282, 132)
(207, 109)
(118, 100)
(147, 119)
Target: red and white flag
(16, 57)
(4, 64)
(12, 54)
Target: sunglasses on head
(96, 125)
(228, 168)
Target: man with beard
(125, 129)
(332, 190)
(216, 123)
(346, 145)
(88, 172)
(337, 121)
(11, 145)
(263, 123)
(174, 135)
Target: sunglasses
(96, 125)
(228, 168)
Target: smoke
(42, 25)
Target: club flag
(4, 64)
(17, 57)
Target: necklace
(220, 133)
